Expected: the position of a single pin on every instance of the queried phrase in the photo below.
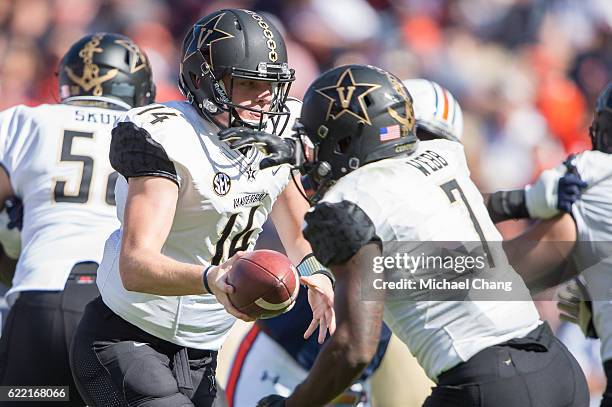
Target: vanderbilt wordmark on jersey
(224, 200)
(57, 160)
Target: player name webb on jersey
(172, 140)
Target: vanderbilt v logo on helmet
(346, 96)
(208, 35)
(230, 45)
(354, 115)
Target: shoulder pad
(336, 231)
(134, 153)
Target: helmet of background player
(437, 112)
(601, 127)
(106, 67)
(354, 115)
(235, 44)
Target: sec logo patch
(221, 183)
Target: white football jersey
(57, 160)
(429, 196)
(224, 200)
(592, 214)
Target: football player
(55, 158)
(273, 356)
(385, 187)
(438, 114)
(572, 200)
(189, 206)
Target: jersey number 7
(453, 185)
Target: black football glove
(273, 400)
(14, 208)
(278, 150)
(570, 186)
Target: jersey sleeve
(336, 231)
(137, 148)
(350, 216)
(17, 128)
(594, 166)
(368, 190)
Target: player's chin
(253, 116)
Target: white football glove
(541, 197)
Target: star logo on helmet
(208, 35)
(346, 96)
(137, 59)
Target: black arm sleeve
(504, 205)
(134, 153)
(337, 231)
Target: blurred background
(526, 72)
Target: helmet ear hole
(194, 79)
(368, 100)
(343, 145)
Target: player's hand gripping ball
(266, 284)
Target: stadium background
(526, 72)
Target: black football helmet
(354, 115)
(106, 65)
(601, 127)
(235, 44)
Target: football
(266, 284)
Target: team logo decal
(91, 79)
(221, 183)
(406, 121)
(250, 173)
(137, 58)
(346, 96)
(268, 34)
(207, 36)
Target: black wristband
(205, 279)
(329, 275)
(504, 205)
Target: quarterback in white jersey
(191, 199)
(574, 202)
(386, 187)
(55, 158)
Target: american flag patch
(390, 132)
